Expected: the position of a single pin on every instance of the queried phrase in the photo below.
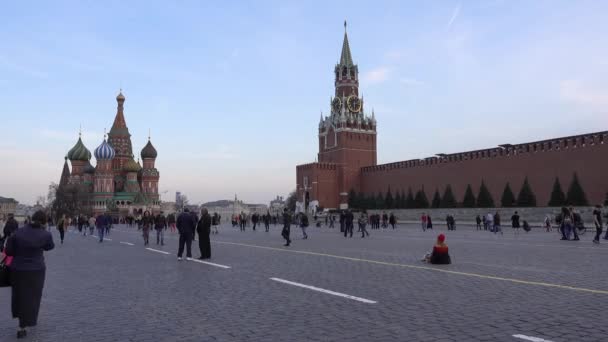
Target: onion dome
(89, 168)
(79, 152)
(131, 166)
(148, 152)
(120, 97)
(104, 151)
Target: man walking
(304, 225)
(423, 222)
(160, 225)
(185, 226)
(363, 224)
(497, 223)
(101, 226)
(515, 222)
(348, 223)
(597, 219)
(203, 228)
(286, 227)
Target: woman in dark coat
(28, 270)
(203, 228)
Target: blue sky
(232, 91)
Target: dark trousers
(285, 233)
(185, 239)
(62, 234)
(204, 245)
(26, 295)
(348, 227)
(598, 232)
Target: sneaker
(188, 258)
(179, 258)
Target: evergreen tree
(409, 200)
(448, 200)
(576, 194)
(484, 198)
(469, 199)
(508, 198)
(389, 202)
(606, 199)
(397, 201)
(352, 199)
(371, 201)
(403, 203)
(361, 200)
(380, 201)
(436, 200)
(558, 198)
(420, 201)
(526, 197)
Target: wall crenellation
(506, 150)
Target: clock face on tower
(354, 103)
(336, 104)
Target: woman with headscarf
(146, 224)
(28, 270)
(439, 255)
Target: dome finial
(149, 133)
(80, 131)
(344, 26)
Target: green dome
(131, 166)
(79, 152)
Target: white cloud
(377, 75)
(455, 14)
(580, 93)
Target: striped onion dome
(89, 168)
(131, 166)
(79, 152)
(104, 151)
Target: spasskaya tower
(347, 142)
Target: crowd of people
(22, 248)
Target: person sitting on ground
(439, 254)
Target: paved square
(326, 288)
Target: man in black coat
(286, 227)
(203, 228)
(10, 227)
(186, 225)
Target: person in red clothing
(423, 221)
(439, 255)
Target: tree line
(575, 196)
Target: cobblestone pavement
(531, 285)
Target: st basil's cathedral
(117, 184)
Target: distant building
(228, 208)
(167, 207)
(276, 206)
(7, 206)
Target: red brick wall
(589, 159)
(322, 183)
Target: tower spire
(346, 58)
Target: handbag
(5, 279)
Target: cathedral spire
(120, 125)
(65, 174)
(346, 58)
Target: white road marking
(363, 300)
(209, 263)
(95, 236)
(531, 338)
(107, 239)
(157, 251)
(127, 243)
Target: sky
(232, 91)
